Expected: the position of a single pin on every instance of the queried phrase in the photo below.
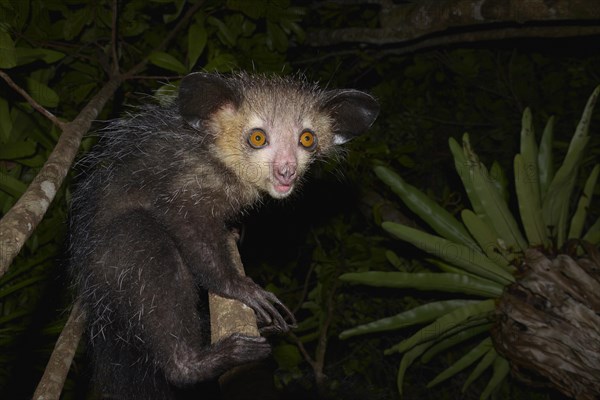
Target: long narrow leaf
(485, 362)
(556, 202)
(444, 282)
(501, 370)
(455, 339)
(529, 152)
(545, 158)
(494, 207)
(462, 168)
(443, 324)
(473, 355)
(12, 186)
(486, 238)
(408, 358)
(593, 234)
(584, 202)
(530, 206)
(445, 267)
(499, 180)
(418, 315)
(454, 253)
(440, 220)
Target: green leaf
(42, 93)
(499, 180)
(418, 315)
(6, 123)
(290, 27)
(445, 267)
(454, 253)
(395, 260)
(475, 354)
(276, 37)
(445, 323)
(197, 38)
(462, 169)
(485, 362)
(25, 127)
(545, 158)
(501, 370)
(20, 285)
(579, 217)
(529, 152)
(493, 205)
(8, 55)
(15, 150)
(530, 206)
(443, 282)
(221, 63)
(408, 358)
(455, 339)
(440, 220)
(167, 61)
(486, 238)
(74, 23)
(27, 55)
(593, 234)
(12, 186)
(557, 200)
(225, 34)
(178, 8)
(287, 356)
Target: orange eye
(257, 138)
(308, 140)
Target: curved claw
(270, 311)
(288, 314)
(269, 316)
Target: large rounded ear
(201, 95)
(353, 112)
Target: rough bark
(22, 219)
(475, 21)
(249, 381)
(229, 316)
(548, 323)
(51, 384)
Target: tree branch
(36, 106)
(229, 316)
(21, 220)
(405, 23)
(56, 371)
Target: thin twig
(37, 106)
(115, 57)
(302, 349)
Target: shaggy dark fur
(150, 222)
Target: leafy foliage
(485, 268)
(61, 52)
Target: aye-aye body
(152, 216)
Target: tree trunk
(548, 323)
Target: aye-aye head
(269, 129)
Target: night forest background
(436, 77)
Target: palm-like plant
(539, 309)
